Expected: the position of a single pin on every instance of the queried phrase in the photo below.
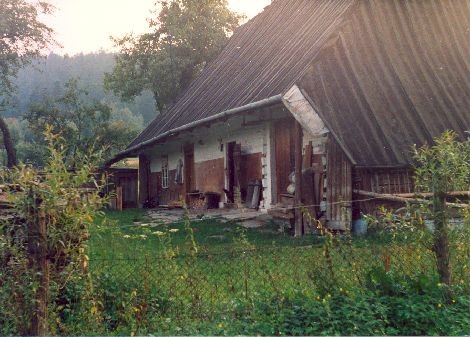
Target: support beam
(298, 140)
(392, 197)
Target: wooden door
(128, 187)
(189, 171)
(284, 154)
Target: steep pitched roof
(398, 74)
(263, 58)
(382, 74)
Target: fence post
(38, 260)
(119, 201)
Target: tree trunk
(441, 239)
(158, 105)
(9, 147)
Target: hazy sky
(85, 25)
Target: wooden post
(38, 260)
(298, 139)
(441, 240)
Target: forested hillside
(47, 77)
(48, 85)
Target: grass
(116, 236)
(258, 281)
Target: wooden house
(332, 93)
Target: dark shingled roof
(383, 74)
(398, 74)
(263, 58)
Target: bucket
(359, 227)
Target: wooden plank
(307, 160)
(339, 187)
(119, 199)
(189, 172)
(298, 179)
(230, 171)
(429, 195)
(283, 144)
(391, 197)
(144, 175)
(237, 162)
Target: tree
(22, 38)
(185, 36)
(85, 125)
(443, 168)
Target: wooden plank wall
(210, 176)
(384, 181)
(174, 194)
(284, 154)
(128, 183)
(339, 187)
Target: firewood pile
(197, 203)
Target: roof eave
(132, 151)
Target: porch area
(246, 218)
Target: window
(165, 178)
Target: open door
(189, 172)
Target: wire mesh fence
(201, 286)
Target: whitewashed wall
(207, 146)
(172, 150)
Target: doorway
(189, 172)
(233, 157)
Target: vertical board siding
(339, 187)
(383, 181)
(283, 147)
